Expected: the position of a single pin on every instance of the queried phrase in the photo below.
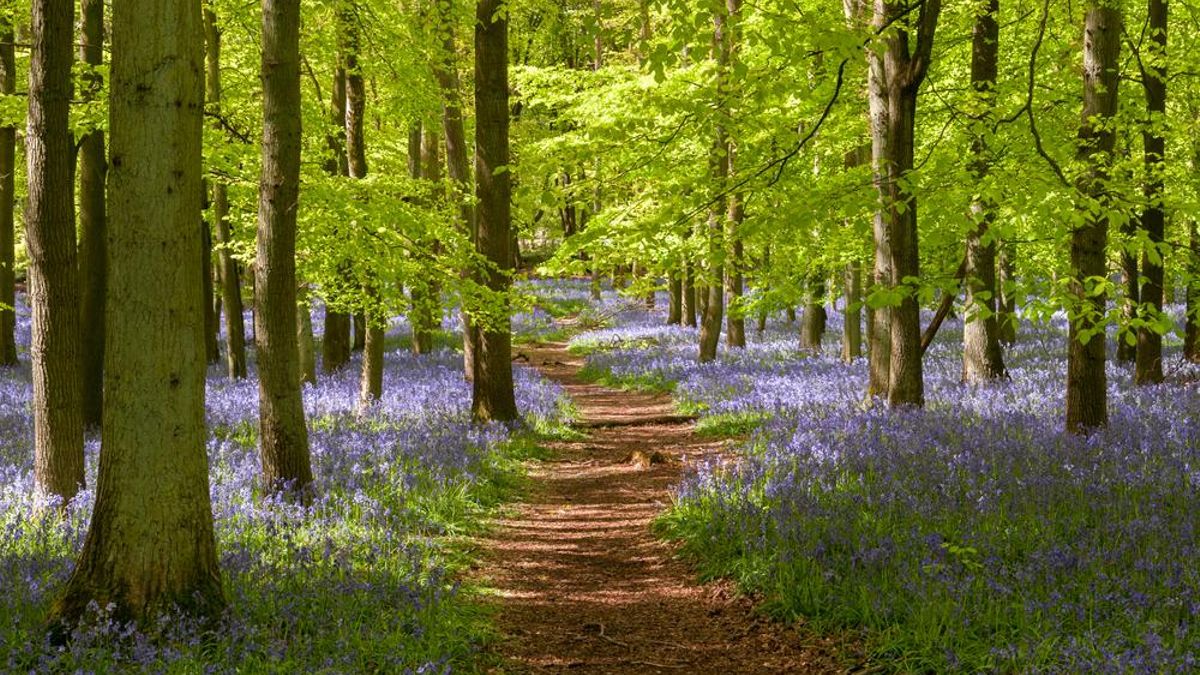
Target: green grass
(726, 425)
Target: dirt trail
(582, 584)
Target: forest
(600, 336)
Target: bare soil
(582, 584)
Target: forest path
(582, 584)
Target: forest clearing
(599, 336)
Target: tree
(492, 393)
(1148, 367)
(150, 544)
(1087, 385)
(282, 431)
(720, 161)
(50, 241)
(445, 71)
(231, 287)
(335, 345)
(8, 143)
(896, 74)
(735, 330)
(982, 355)
(93, 247)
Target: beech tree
(1148, 368)
(282, 431)
(50, 241)
(1087, 383)
(492, 393)
(8, 144)
(150, 544)
(93, 246)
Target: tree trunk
(674, 300)
(8, 143)
(1006, 312)
(983, 358)
(493, 398)
(304, 337)
(852, 314)
(1130, 297)
(283, 434)
(93, 245)
(1149, 369)
(896, 74)
(427, 311)
(359, 342)
(457, 167)
(370, 384)
(335, 344)
(150, 545)
(50, 241)
(720, 161)
(812, 328)
(689, 295)
(1087, 386)
(231, 287)
(1191, 326)
(212, 349)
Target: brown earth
(581, 583)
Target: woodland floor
(582, 584)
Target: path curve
(581, 583)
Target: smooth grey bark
(283, 435)
(304, 336)
(720, 168)
(150, 544)
(50, 242)
(335, 343)
(852, 314)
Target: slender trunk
(446, 73)
(150, 546)
(674, 300)
(427, 311)
(93, 245)
(1087, 386)
(812, 329)
(370, 383)
(8, 144)
(1191, 329)
(1006, 311)
(1154, 78)
(212, 349)
(852, 314)
(492, 396)
(761, 287)
(283, 434)
(983, 358)
(1130, 297)
(689, 295)
(304, 337)
(231, 287)
(736, 323)
(50, 242)
(335, 343)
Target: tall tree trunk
(689, 294)
(812, 329)
(734, 281)
(93, 244)
(1149, 369)
(427, 311)
(983, 358)
(1191, 326)
(231, 287)
(1130, 297)
(304, 337)
(852, 314)
(283, 434)
(8, 144)
(50, 241)
(719, 163)
(150, 545)
(674, 299)
(896, 74)
(1006, 310)
(446, 73)
(335, 343)
(493, 397)
(1087, 386)
(212, 349)
(370, 384)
